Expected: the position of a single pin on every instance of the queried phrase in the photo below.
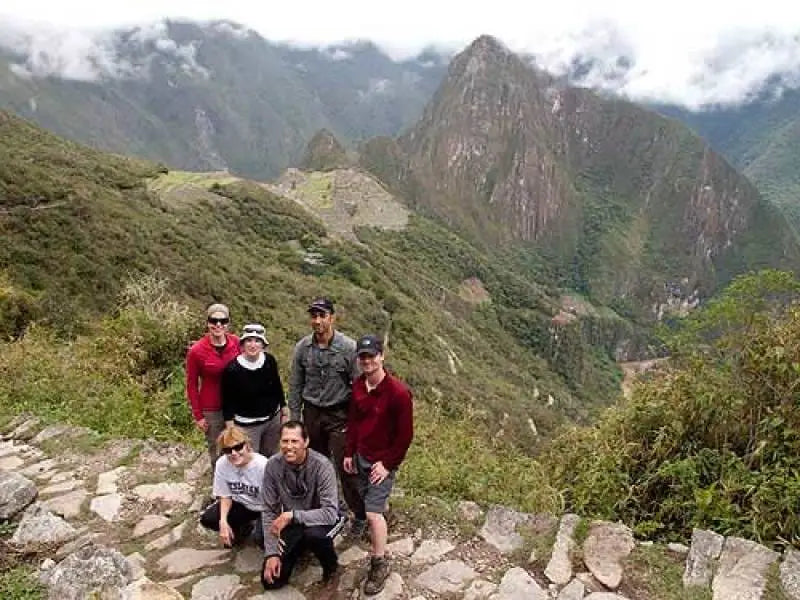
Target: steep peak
(487, 45)
(324, 153)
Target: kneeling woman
(238, 478)
(252, 392)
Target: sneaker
(358, 530)
(379, 571)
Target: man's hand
(281, 521)
(378, 473)
(272, 569)
(225, 533)
(202, 425)
(348, 465)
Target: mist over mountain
(209, 96)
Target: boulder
(40, 527)
(704, 550)
(742, 571)
(500, 528)
(93, 571)
(606, 546)
(559, 568)
(790, 574)
(16, 493)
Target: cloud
(732, 68)
(695, 54)
(93, 55)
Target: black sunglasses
(218, 321)
(229, 449)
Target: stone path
(121, 520)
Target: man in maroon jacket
(379, 431)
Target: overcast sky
(692, 52)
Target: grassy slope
(102, 226)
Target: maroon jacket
(204, 368)
(381, 424)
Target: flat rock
(69, 505)
(790, 574)
(216, 587)
(54, 431)
(61, 487)
(742, 571)
(401, 547)
(92, 571)
(16, 493)
(604, 596)
(681, 549)
(39, 526)
(351, 555)
(285, 593)
(251, 559)
(431, 551)
(517, 584)
(172, 493)
(393, 589)
(144, 589)
(106, 507)
(574, 590)
(705, 549)
(38, 468)
(168, 539)
(480, 589)
(148, 524)
(559, 567)
(446, 577)
(186, 560)
(107, 481)
(10, 463)
(308, 575)
(137, 563)
(500, 529)
(606, 546)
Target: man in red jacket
(205, 362)
(379, 431)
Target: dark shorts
(374, 496)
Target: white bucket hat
(254, 330)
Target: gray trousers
(264, 437)
(216, 425)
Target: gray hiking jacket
(322, 376)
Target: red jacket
(381, 423)
(204, 366)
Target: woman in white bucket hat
(252, 392)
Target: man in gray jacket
(301, 500)
(320, 390)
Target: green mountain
(217, 96)
(761, 139)
(83, 230)
(629, 207)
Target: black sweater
(254, 394)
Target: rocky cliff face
(633, 207)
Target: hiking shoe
(328, 588)
(358, 530)
(379, 571)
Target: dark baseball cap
(369, 344)
(322, 305)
